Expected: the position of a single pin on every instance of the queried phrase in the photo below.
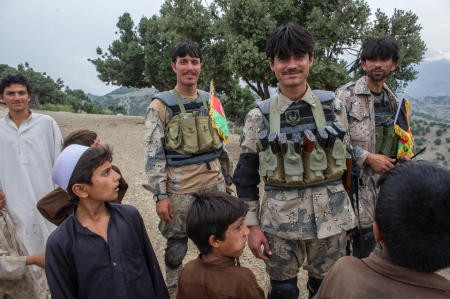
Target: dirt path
(126, 135)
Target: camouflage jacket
(297, 213)
(163, 178)
(359, 103)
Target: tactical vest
(386, 140)
(189, 135)
(302, 163)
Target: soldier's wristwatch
(159, 197)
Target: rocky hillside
(438, 107)
(134, 100)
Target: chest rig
(303, 146)
(189, 136)
(386, 140)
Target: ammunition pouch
(189, 135)
(386, 140)
(305, 169)
(301, 169)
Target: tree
(117, 109)
(232, 36)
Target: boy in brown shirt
(413, 228)
(216, 224)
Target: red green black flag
(217, 115)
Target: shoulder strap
(200, 93)
(317, 110)
(179, 101)
(274, 116)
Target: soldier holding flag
(184, 153)
(371, 110)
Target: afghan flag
(217, 115)
(403, 130)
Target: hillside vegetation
(430, 125)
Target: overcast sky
(58, 36)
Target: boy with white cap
(102, 250)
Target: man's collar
(187, 96)
(361, 86)
(284, 102)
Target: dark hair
(289, 38)
(91, 159)
(9, 79)
(82, 137)
(384, 47)
(186, 48)
(412, 213)
(210, 214)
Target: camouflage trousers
(177, 230)
(368, 194)
(316, 255)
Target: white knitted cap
(65, 164)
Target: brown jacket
(56, 206)
(213, 276)
(375, 277)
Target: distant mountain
(435, 107)
(93, 97)
(433, 80)
(134, 100)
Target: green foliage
(438, 132)
(116, 109)
(239, 130)
(47, 93)
(56, 107)
(403, 27)
(447, 140)
(232, 35)
(92, 108)
(238, 104)
(437, 141)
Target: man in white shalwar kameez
(29, 145)
(16, 276)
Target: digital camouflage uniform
(300, 223)
(178, 183)
(359, 103)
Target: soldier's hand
(2, 199)
(164, 209)
(379, 163)
(255, 239)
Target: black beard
(377, 78)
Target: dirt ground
(126, 135)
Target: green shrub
(56, 107)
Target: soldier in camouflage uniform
(367, 100)
(307, 223)
(173, 177)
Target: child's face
(235, 238)
(105, 183)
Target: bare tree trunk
(266, 91)
(34, 102)
(256, 88)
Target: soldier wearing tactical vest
(371, 108)
(184, 154)
(296, 141)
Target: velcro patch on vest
(293, 117)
